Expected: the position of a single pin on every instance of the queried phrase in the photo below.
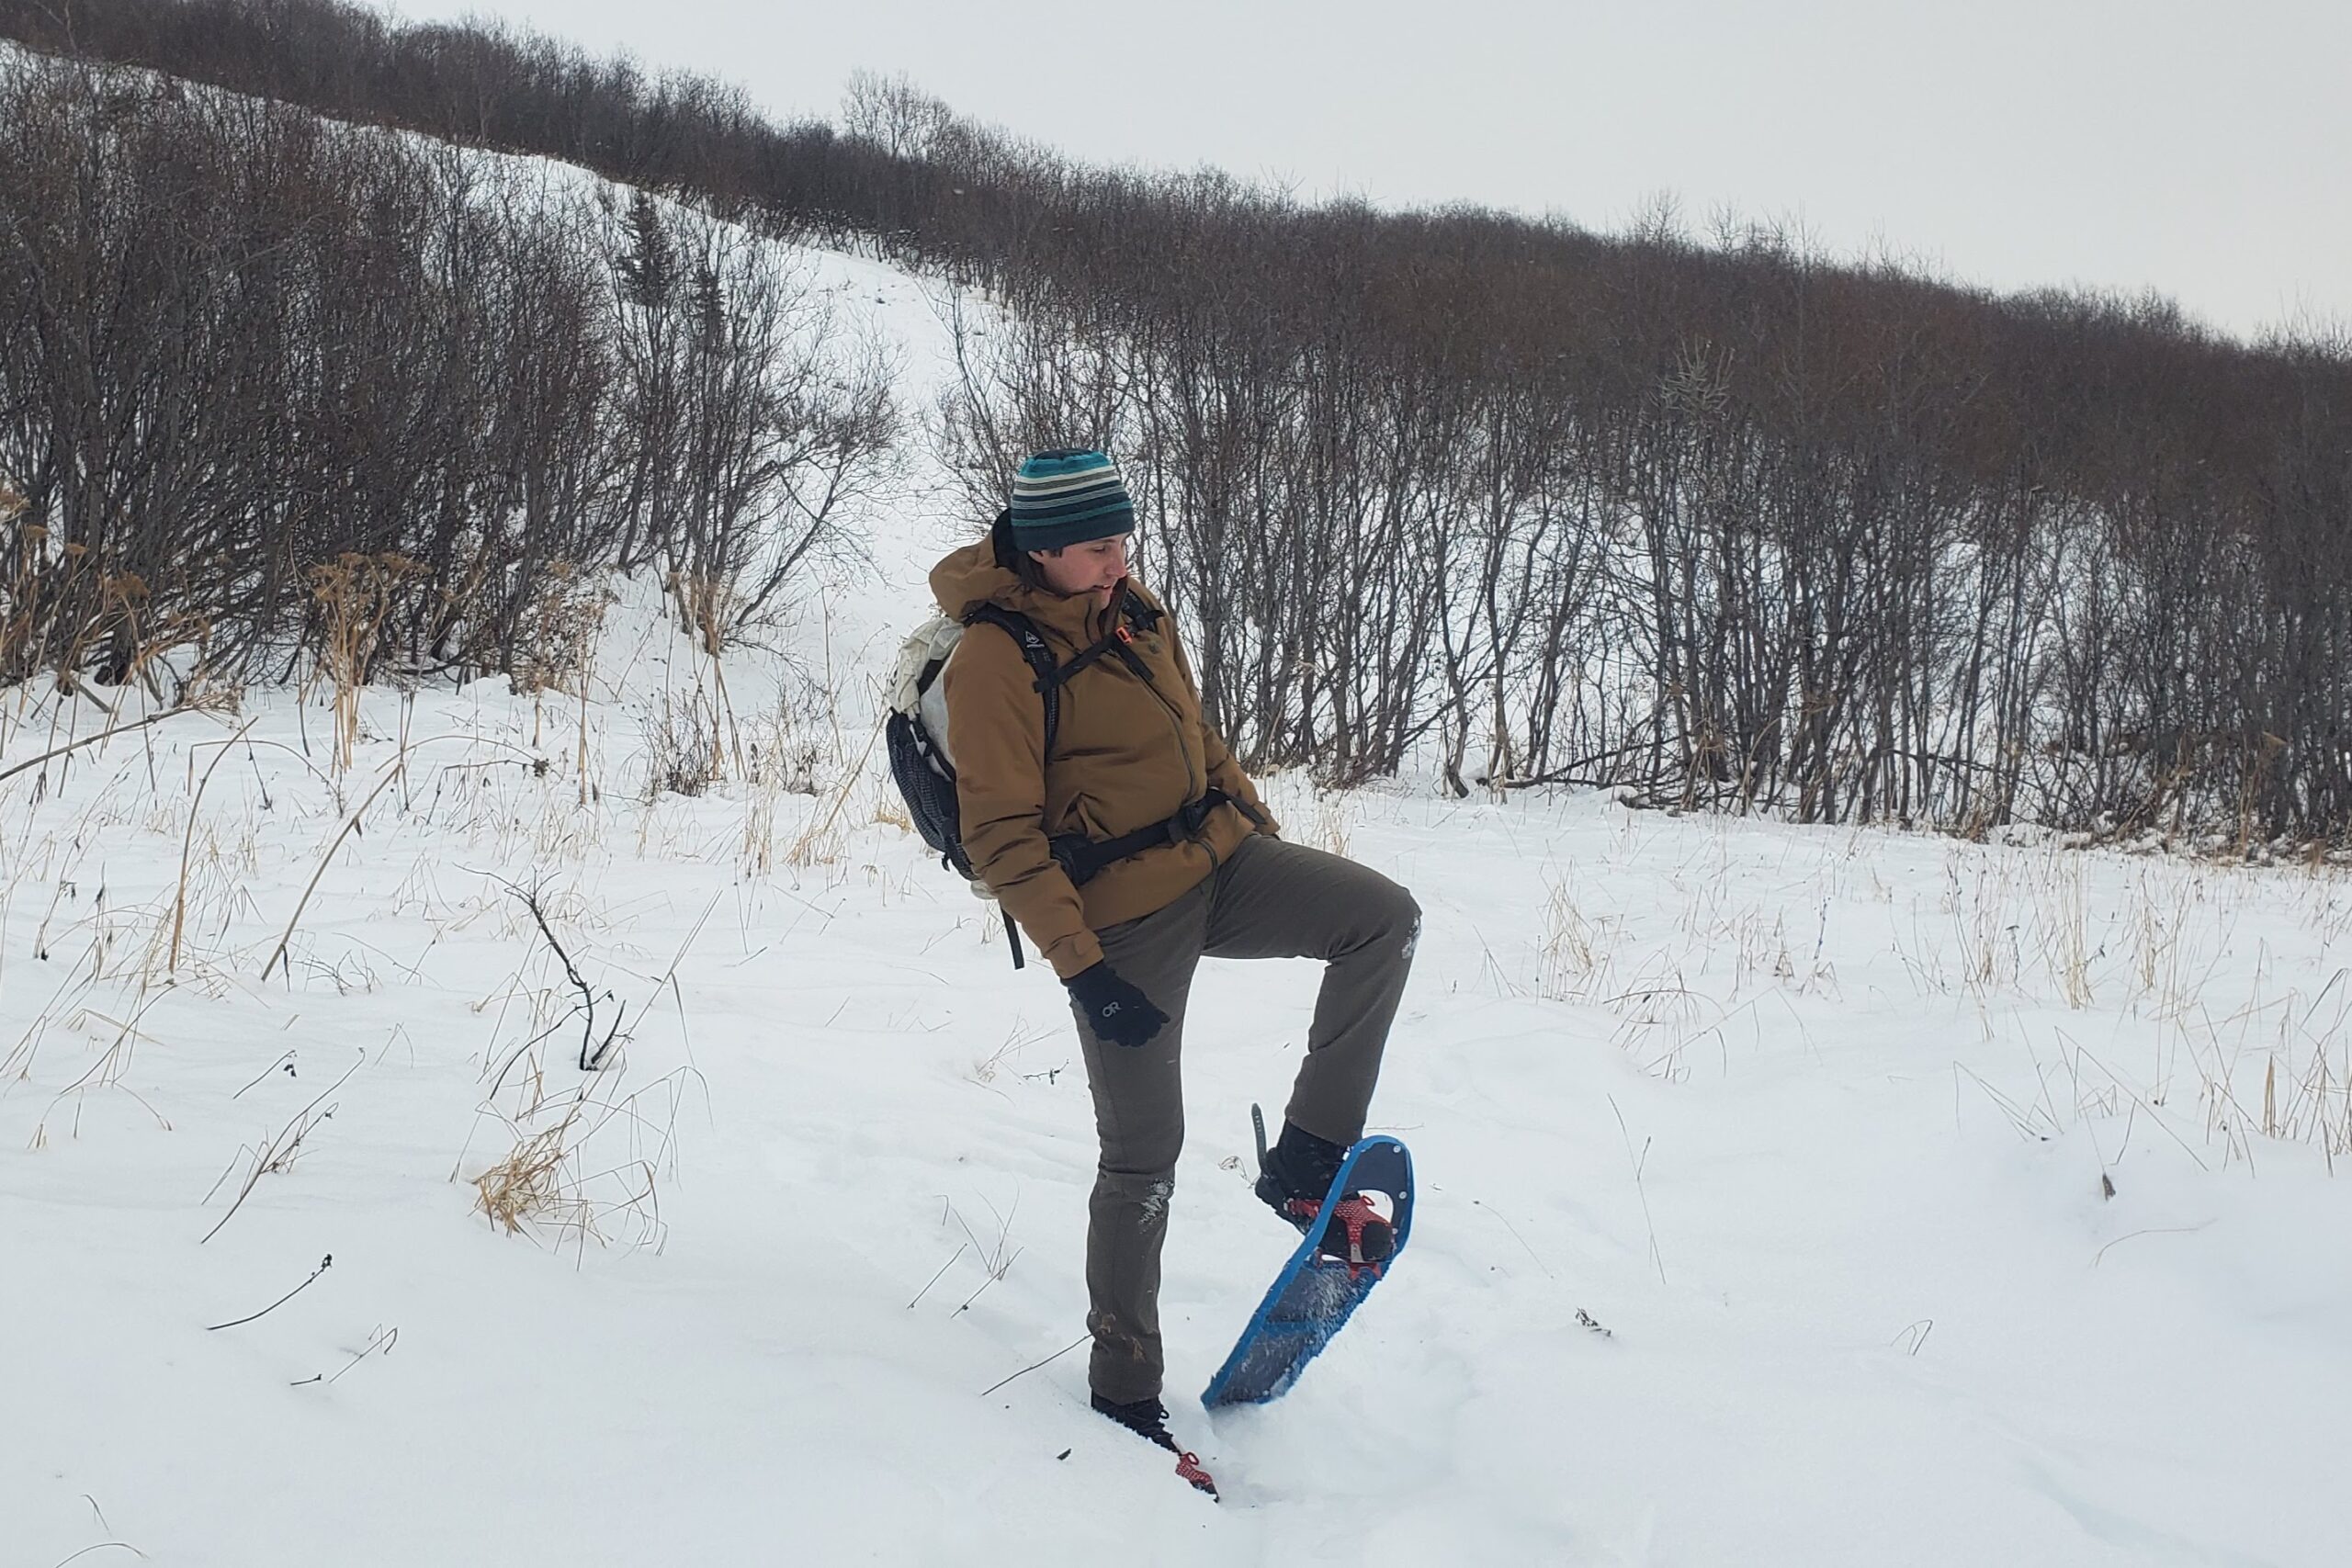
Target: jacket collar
(976, 574)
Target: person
(1136, 848)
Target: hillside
(1705, 511)
(1790, 1195)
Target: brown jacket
(1127, 752)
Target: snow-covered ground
(1789, 1196)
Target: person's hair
(1013, 558)
(1031, 574)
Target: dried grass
(821, 842)
(534, 1185)
(583, 1163)
(354, 593)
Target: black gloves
(1117, 1011)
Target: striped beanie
(1067, 496)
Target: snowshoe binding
(1294, 1180)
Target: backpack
(916, 732)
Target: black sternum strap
(1117, 641)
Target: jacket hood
(970, 576)
(974, 575)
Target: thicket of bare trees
(1713, 517)
(259, 372)
(1719, 520)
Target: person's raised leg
(1277, 899)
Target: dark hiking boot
(1147, 1419)
(1297, 1176)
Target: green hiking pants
(1270, 899)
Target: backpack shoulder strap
(1031, 643)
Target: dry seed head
(528, 1184)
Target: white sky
(2201, 150)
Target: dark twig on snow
(935, 1278)
(379, 1339)
(285, 1060)
(278, 1153)
(592, 1052)
(324, 1263)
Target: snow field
(1765, 1214)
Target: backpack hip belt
(1082, 858)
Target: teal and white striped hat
(1067, 496)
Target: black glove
(1117, 1011)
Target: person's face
(1092, 567)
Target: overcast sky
(2204, 151)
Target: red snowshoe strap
(1188, 1466)
(1353, 1213)
(1356, 1212)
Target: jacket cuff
(1074, 954)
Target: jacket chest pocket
(1109, 716)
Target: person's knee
(1385, 921)
(1144, 1195)
(1401, 916)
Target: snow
(1762, 1215)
